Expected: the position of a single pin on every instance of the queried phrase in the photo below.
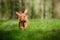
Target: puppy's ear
(26, 11)
(18, 14)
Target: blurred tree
(32, 15)
(22, 5)
(17, 5)
(11, 8)
(37, 7)
(48, 9)
(56, 4)
(43, 9)
(14, 11)
(2, 8)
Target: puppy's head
(23, 15)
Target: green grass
(37, 30)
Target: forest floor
(37, 30)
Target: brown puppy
(23, 19)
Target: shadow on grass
(9, 35)
(30, 35)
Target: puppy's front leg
(19, 25)
(22, 25)
(26, 24)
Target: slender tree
(32, 15)
(43, 9)
(2, 8)
(11, 9)
(56, 11)
(23, 5)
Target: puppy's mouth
(23, 23)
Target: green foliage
(48, 29)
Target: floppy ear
(26, 11)
(18, 14)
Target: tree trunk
(21, 5)
(32, 15)
(48, 9)
(2, 8)
(56, 13)
(43, 9)
(37, 7)
(11, 9)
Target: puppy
(23, 19)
